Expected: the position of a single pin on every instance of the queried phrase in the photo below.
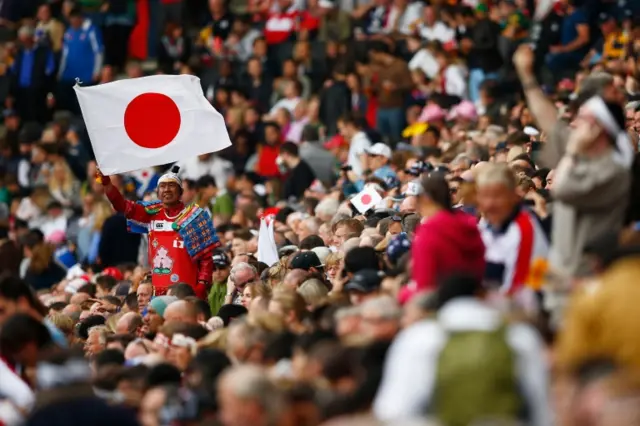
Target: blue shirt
(56, 335)
(569, 32)
(82, 53)
(384, 172)
(25, 73)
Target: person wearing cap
(174, 254)
(613, 43)
(364, 285)
(221, 272)
(31, 77)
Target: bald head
(129, 323)
(181, 311)
(294, 278)
(72, 309)
(79, 298)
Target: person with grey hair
(247, 396)
(241, 274)
(308, 226)
(327, 209)
(380, 318)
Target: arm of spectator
(205, 269)
(24, 167)
(130, 209)
(542, 109)
(589, 184)
(97, 48)
(359, 12)
(63, 61)
(581, 40)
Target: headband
(171, 176)
(624, 151)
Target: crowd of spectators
(494, 283)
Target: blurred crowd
(454, 216)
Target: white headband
(624, 153)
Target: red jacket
(281, 26)
(136, 212)
(446, 243)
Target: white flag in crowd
(149, 121)
(367, 199)
(267, 248)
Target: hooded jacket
(447, 242)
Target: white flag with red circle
(148, 121)
(366, 199)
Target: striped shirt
(512, 248)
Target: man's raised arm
(130, 209)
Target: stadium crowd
(422, 220)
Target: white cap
(380, 149)
(531, 131)
(322, 253)
(326, 4)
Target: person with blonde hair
(332, 265)
(291, 306)
(63, 322)
(252, 291)
(63, 186)
(101, 212)
(313, 291)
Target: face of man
(152, 402)
(145, 291)
(238, 246)
(93, 345)
(496, 202)
(152, 321)
(340, 236)
(169, 193)
(220, 274)
(376, 161)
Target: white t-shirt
(456, 81)
(359, 143)
(423, 60)
(439, 31)
(410, 15)
(15, 395)
(288, 104)
(219, 168)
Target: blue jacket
(82, 54)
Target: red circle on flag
(152, 120)
(365, 199)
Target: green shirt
(223, 205)
(216, 297)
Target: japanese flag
(148, 121)
(366, 199)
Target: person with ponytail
(448, 240)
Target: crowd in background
(493, 283)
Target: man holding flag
(181, 238)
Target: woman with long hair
(42, 272)
(63, 186)
(101, 212)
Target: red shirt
(168, 257)
(281, 26)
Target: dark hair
(436, 187)
(202, 306)
(163, 374)
(455, 286)
(182, 290)
(351, 118)
(131, 300)
(108, 357)
(106, 282)
(310, 133)
(90, 289)
(525, 157)
(21, 329)
(311, 242)
(57, 306)
(618, 114)
(82, 328)
(289, 148)
(13, 288)
(189, 183)
(205, 182)
(360, 258)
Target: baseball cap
(604, 17)
(113, 272)
(220, 260)
(365, 281)
(418, 168)
(380, 149)
(306, 260)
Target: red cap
(113, 272)
(335, 142)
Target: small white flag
(366, 199)
(148, 121)
(267, 249)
